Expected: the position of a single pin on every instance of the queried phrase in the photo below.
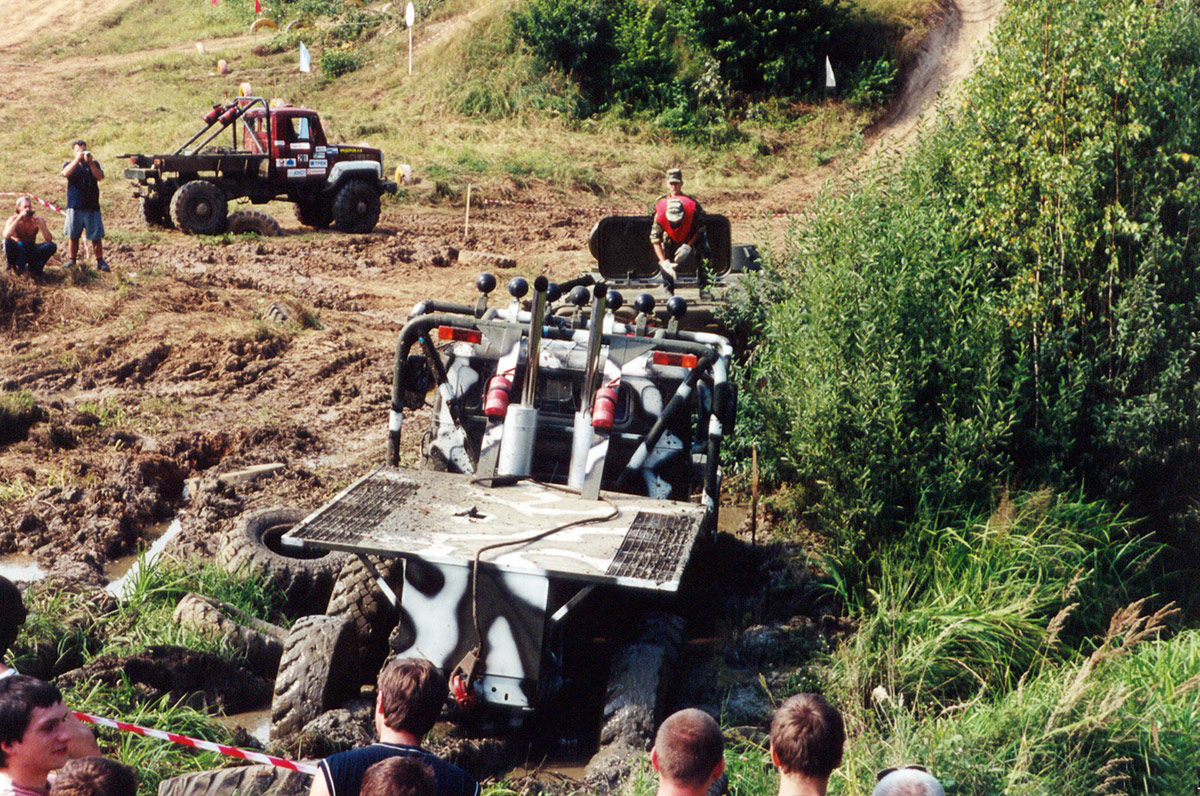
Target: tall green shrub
(775, 46)
(1021, 300)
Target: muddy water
(256, 722)
(20, 568)
(164, 532)
(730, 518)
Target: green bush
(776, 47)
(574, 37)
(1020, 302)
(335, 63)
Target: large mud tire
(319, 671)
(199, 208)
(256, 221)
(356, 207)
(316, 213)
(358, 599)
(305, 578)
(641, 675)
(260, 642)
(155, 211)
(256, 780)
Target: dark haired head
(95, 776)
(411, 694)
(688, 747)
(807, 735)
(79, 142)
(398, 776)
(12, 614)
(19, 695)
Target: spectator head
(12, 609)
(689, 750)
(396, 776)
(33, 730)
(807, 735)
(674, 177)
(411, 694)
(23, 204)
(79, 145)
(95, 776)
(909, 781)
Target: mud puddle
(257, 723)
(20, 568)
(123, 571)
(730, 518)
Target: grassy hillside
(477, 107)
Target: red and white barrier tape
(38, 200)
(183, 740)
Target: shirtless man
(21, 249)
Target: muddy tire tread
(257, 221)
(318, 671)
(187, 200)
(356, 207)
(358, 599)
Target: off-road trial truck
(559, 524)
(274, 153)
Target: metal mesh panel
(360, 510)
(655, 548)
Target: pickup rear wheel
(199, 208)
(356, 207)
(155, 210)
(316, 213)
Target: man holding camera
(21, 249)
(83, 175)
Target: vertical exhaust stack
(520, 423)
(581, 440)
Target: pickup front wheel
(199, 208)
(356, 207)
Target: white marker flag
(830, 83)
(305, 59)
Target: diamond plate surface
(361, 509)
(655, 548)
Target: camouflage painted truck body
(571, 484)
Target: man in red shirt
(21, 249)
(678, 222)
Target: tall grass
(966, 611)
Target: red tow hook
(464, 695)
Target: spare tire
(256, 221)
(304, 576)
(319, 671)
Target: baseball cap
(674, 175)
